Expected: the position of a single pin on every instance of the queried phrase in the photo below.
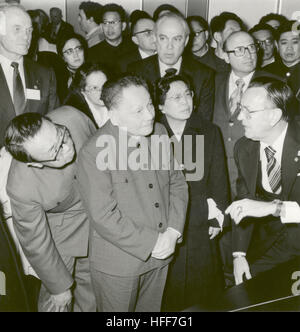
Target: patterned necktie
(170, 72)
(273, 170)
(18, 90)
(235, 98)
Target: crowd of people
(142, 169)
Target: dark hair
(92, 9)
(202, 21)
(135, 17)
(113, 7)
(279, 93)
(62, 42)
(288, 26)
(79, 81)
(263, 26)
(55, 9)
(20, 129)
(272, 16)
(218, 23)
(112, 89)
(162, 87)
(164, 7)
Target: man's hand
(213, 232)
(240, 268)
(249, 208)
(59, 302)
(165, 244)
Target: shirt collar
(163, 67)
(7, 62)
(246, 79)
(277, 145)
(144, 54)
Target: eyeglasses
(247, 112)
(266, 42)
(147, 32)
(93, 89)
(71, 51)
(63, 135)
(197, 33)
(179, 96)
(240, 51)
(111, 23)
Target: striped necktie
(18, 90)
(273, 170)
(235, 97)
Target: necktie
(170, 72)
(235, 98)
(273, 170)
(18, 90)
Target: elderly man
(137, 211)
(25, 85)
(48, 215)
(267, 210)
(172, 35)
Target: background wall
(248, 10)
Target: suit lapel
(5, 97)
(290, 163)
(249, 162)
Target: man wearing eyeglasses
(142, 34)
(266, 212)
(115, 45)
(49, 219)
(264, 35)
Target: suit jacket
(231, 131)
(129, 58)
(37, 77)
(64, 30)
(128, 208)
(48, 215)
(255, 237)
(200, 76)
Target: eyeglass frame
(248, 113)
(111, 23)
(264, 42)
(244, 48)
(198, 33)
(59, 146)
(178, 97)
(143, 31)
(71, 51)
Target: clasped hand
(165, 244)
(59, 302)
(249, 208)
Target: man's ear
(2, 24)
(275, 116)
(206, 35)
(123, 26)
(217, 37)
(135, 40)
(35, 164)
(226, 57)
(186, 40)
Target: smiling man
(25, 85)
(137, 214)
(49, 219)
(172, 35)
(266, 211)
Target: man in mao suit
(39, 83)
(50, 221)
(137, 212)
(172, 35)
(267, 211)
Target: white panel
(290, 7)
(250, 11)
(45, 5)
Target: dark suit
(48, 215)
(200, 76)
(268, 236)
(65, 29)
(129, 58)
(195, 275)
(36, 77)
(231, 131)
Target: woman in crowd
(72, 50)
(195, 275)
(85, 94)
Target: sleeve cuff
(290, 213)
(214, 212)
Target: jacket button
(156, 205)
(160, 225)
(150, 185)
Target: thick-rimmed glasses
(240, 51)
(63, 136)
(111, 23)
(71, 51)
(147, 32)
(179, 96)
(266, 42)
(248, 114)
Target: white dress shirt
(163, 67)
(233, 78)
(100, 114)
